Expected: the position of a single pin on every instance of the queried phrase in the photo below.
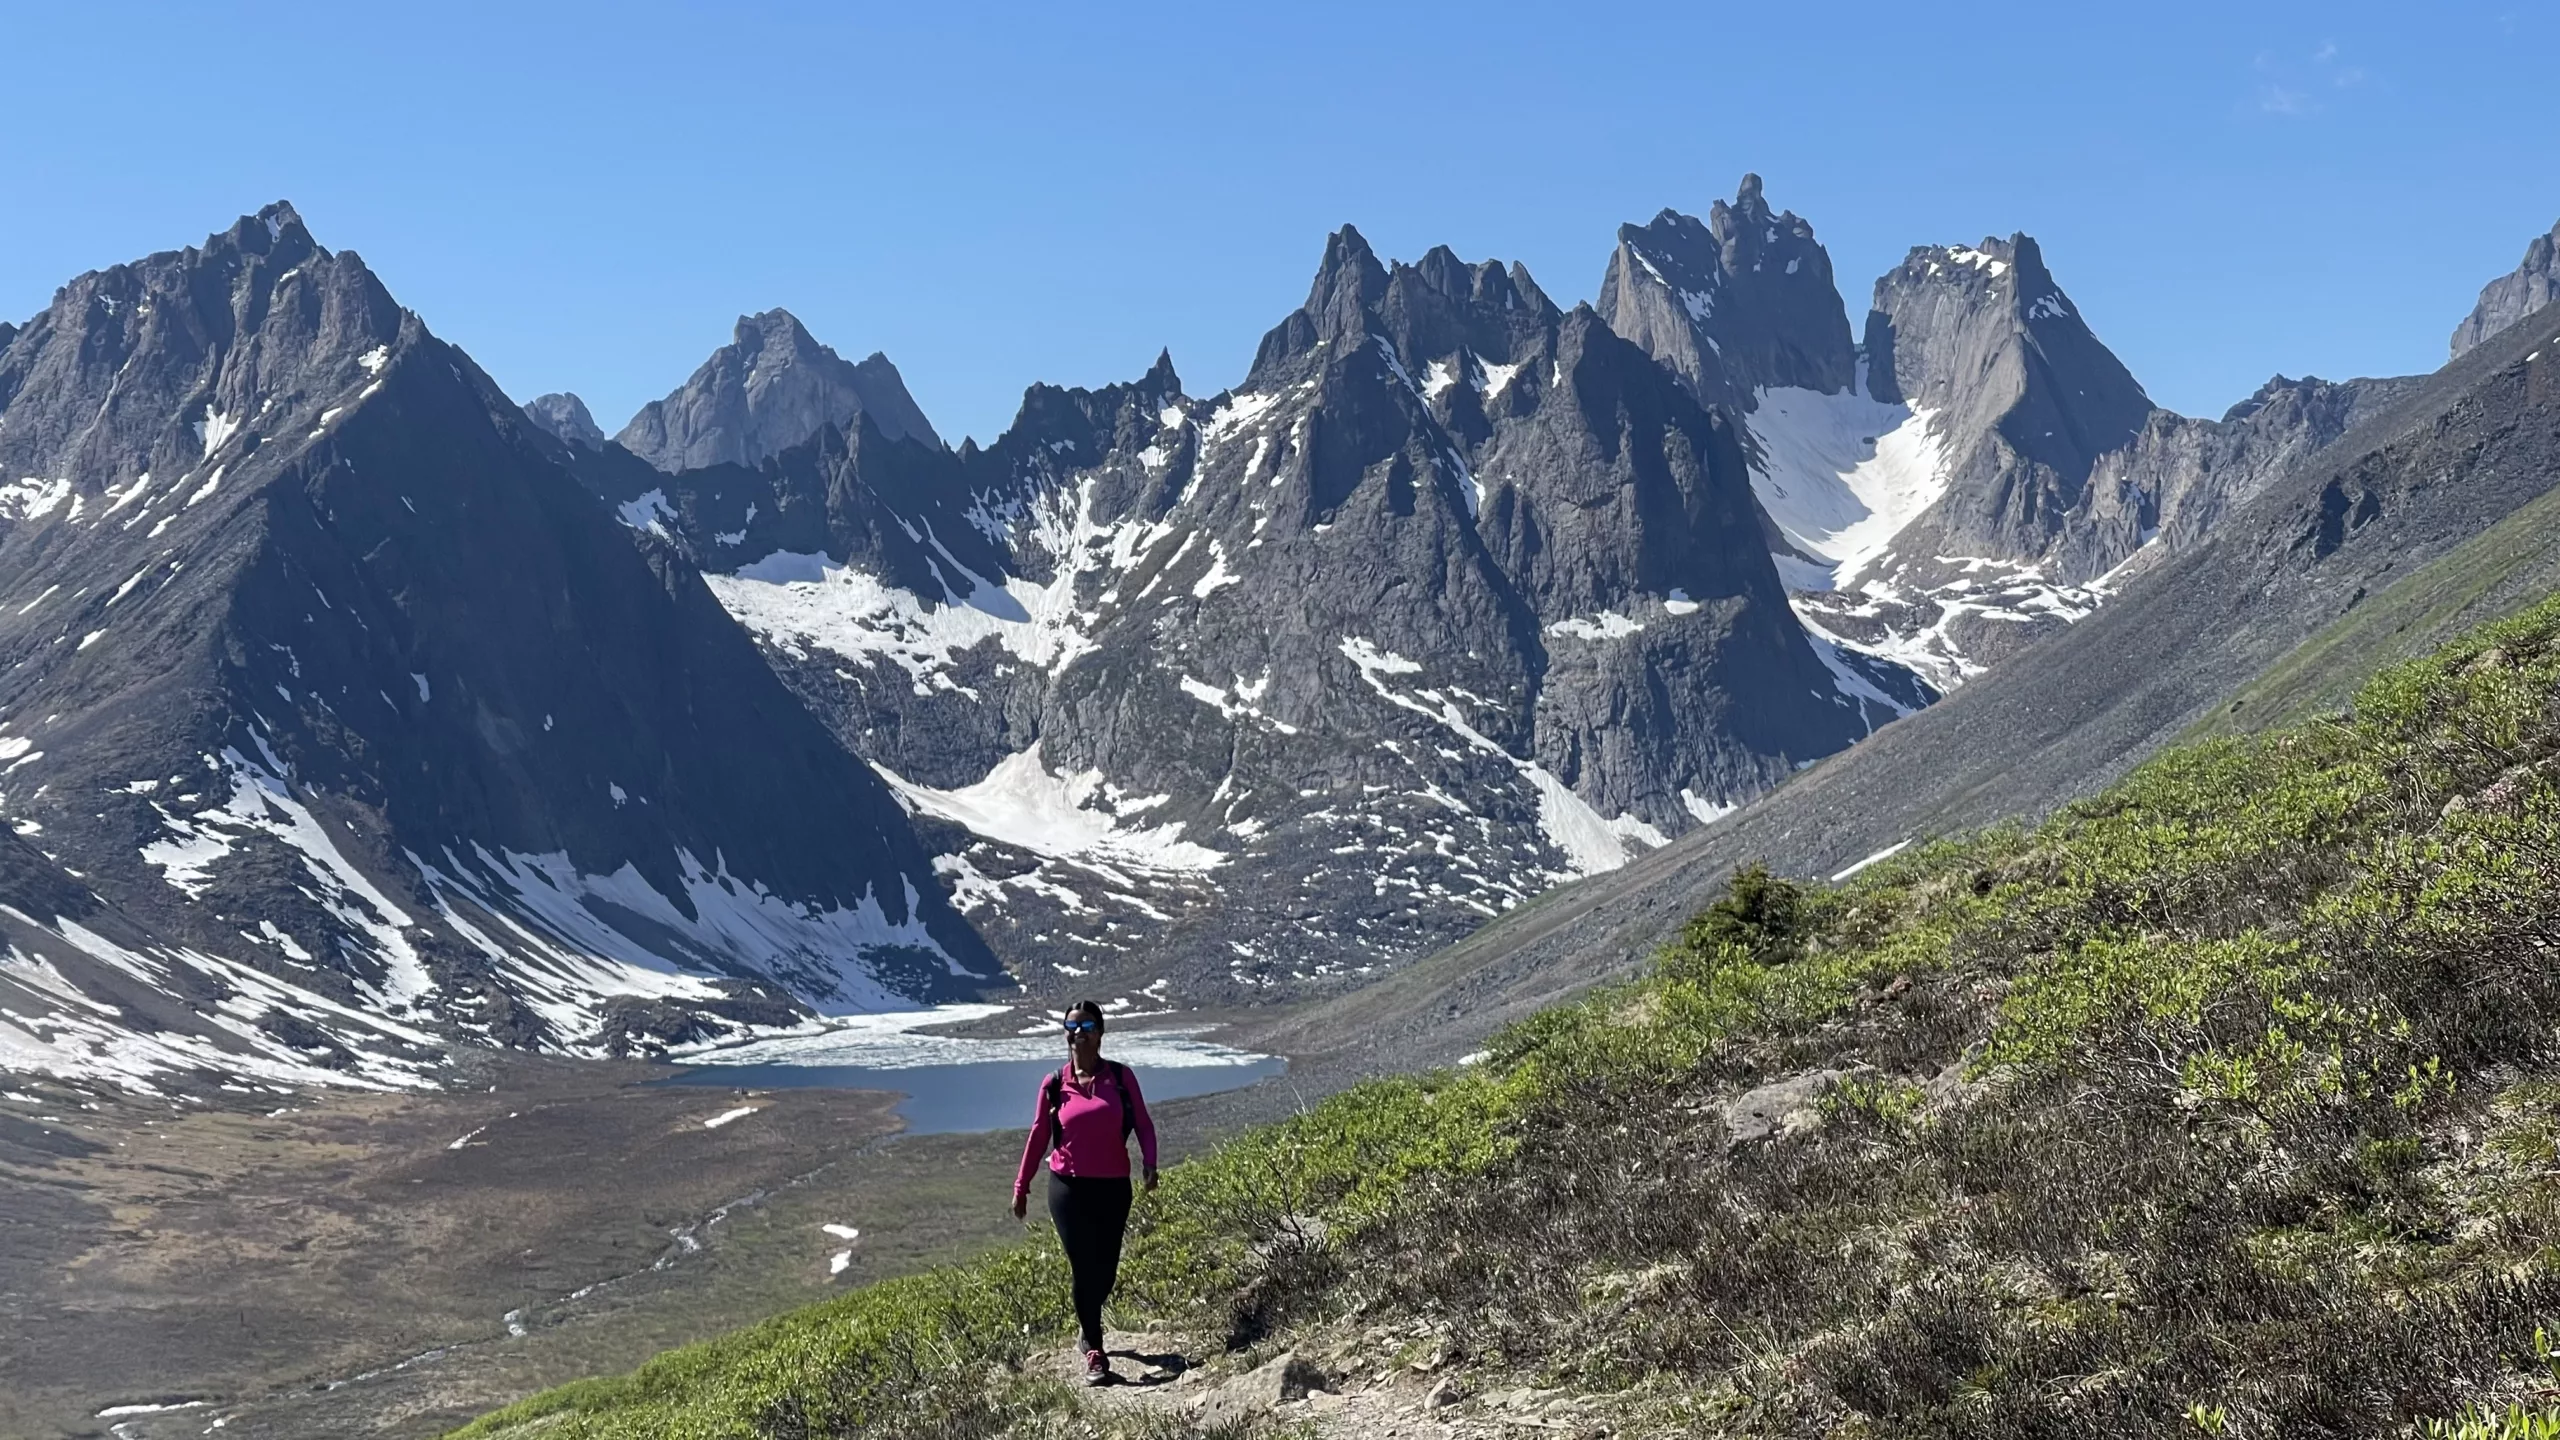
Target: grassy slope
(2224, 1101)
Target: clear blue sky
(585, 197)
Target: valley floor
(344, 1263)
(338, 1263)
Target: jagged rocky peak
(564, 417)
(1984, 338)
(371, 729)
(1456, 595)
(1736, 304)
(167, 367)
(770, 388)
(1944, 512)
(2513, 296)
(1438, 309)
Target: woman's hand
(1151, 1179)
(1022, 1202)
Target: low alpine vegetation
(2222, 1103)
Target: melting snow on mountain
(1842, 476)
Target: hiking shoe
(1097, 1368)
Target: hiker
(1088, 1109)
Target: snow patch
(32, 498)
(1590, 842)
(215, 429)
(649, 512)
(1707, 812)
(568, 941)
(1842, 475)
(1886, 853)
(796, 601)
(1607, 625)
(261, 803)
(1023, 804)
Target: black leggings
(1092, 1215)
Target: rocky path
(1356, 1387)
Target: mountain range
(350, 711)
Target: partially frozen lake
(954, 1084)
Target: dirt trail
(1349, 1386)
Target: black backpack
(1054, 1093)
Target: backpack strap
(1128, 1112)
(1052, 1096)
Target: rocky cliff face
(2181, 475)
(565, 418)
(2513, 296)
(770, 388)
(2026, 398)
(1457, 595)
(369, 730)
(1738, 304)
(1982, 471)
(1922, 494)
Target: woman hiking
(1088, 1109)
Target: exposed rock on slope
(2456, 454)
(1739, 304)
(1459, 594)
(368, 727)
(565, 418)
(1982, 473)
(770, 388)
(1984, 340)
(2513, 296)
(2179, 477)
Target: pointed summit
(181, 361)
(2513, 296)
(1749, 207)
(565, 418)
(2021, 394)
(1741, 303)
(1348, 260)
(770, 388)
(1424, 311)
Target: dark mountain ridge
(1430, 471)
(2411, 482)
(386, 720)
(1981, 471)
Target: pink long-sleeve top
(1091, 1142)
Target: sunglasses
(1075, 1027)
